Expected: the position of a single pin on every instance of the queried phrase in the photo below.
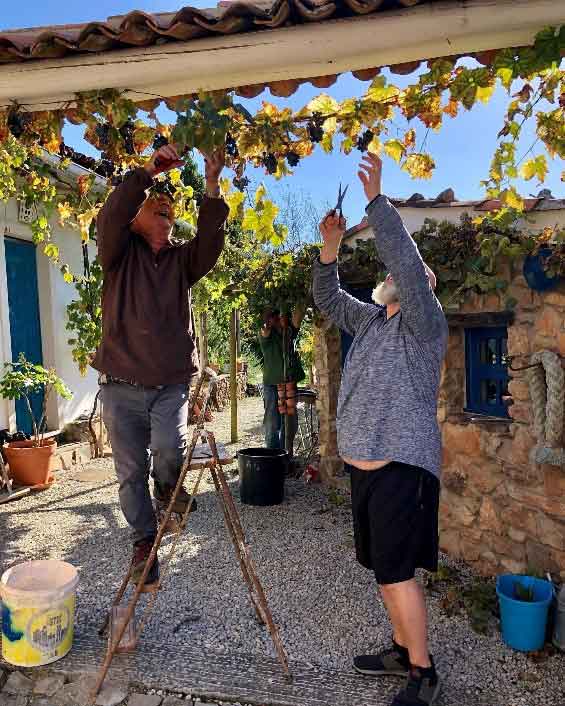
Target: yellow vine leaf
(260, 194)
(419, 166)
(235, 200)
(250, 220)
(84, 221)
(511, 198)
(394, 149)
(505, 75)
(175, 177)
(375, 146)
(379, 91)
(484, 93)
(65, 212)
(324, 104)
(535, 167)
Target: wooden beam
(300, 52)
(480, 319)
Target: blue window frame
(486, 363)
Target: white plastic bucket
(38, 612)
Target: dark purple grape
(241, 183)
(103, 133)
(17, 123)
(160, 141)
(270, 163)
(315, 132)
(105, 168)
(364, 140)
(126, 132)
(231, 146)
(293, 159)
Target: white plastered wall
(54, 295)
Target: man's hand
(162, 160)
(213, 165)
(370, 174)
(332, 229)
(265, 330)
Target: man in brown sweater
(147, 356)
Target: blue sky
(462, 150)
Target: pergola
(248, 47)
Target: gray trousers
(148, 433)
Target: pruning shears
(340, 197)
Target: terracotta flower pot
(29, 464)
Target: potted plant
(30, 461)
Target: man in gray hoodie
(388, 434)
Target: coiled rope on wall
(547, 391)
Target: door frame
(11, 228)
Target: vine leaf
(323, 104)
(394, 149)
(419, 166)
(535, 167)
(511, 198)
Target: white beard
(385, 293)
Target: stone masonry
(499, 511)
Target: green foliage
(23, 379)
(84, 316)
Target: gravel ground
(323, 601)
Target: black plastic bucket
(261, 476)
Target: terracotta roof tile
(142, 29)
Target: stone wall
(327, 362)
(500, 511)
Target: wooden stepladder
(123, 635)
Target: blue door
(25, 327)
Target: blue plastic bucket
(523, 623)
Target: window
(486, 363)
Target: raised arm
(123, 204)
(419, 305)
(115, 216)
(203, 251)
(343, 309)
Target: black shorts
(395, 519)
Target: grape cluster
(364, 140)
(293, 159)
(17, 123)
(159, 141)
(106, 168)
(102, 132)
(270, 163)
(315, 128)
(82, 160)
(241, 183)
(231, 146)
(126, 132)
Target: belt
(105, 379)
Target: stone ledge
(237, 678)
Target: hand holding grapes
(163, 160)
